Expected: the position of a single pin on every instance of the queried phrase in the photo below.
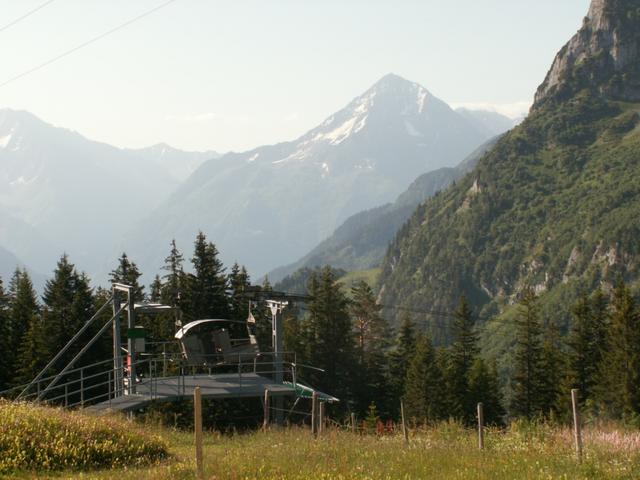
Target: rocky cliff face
(603, 55)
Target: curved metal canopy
(184, 329)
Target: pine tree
(401, 355)
(372, 334)
(5, 336)
(22, 306)
(59, 292)
(462, 353)
(30, 352)
(528, 375)
(206, 290)
(328, 336)
(127, 273)
(155, 293)
(174, 279)
(424, 397)
(553, 366)
(25, 327)
(586, 343)
(239, 282)
(484, 387)
(619, 375)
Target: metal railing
(99, 382)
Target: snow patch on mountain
(411, 130)
(4, 141)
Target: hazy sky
(231, 75)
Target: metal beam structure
(87, 324)
(277, 343)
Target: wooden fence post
(480, 426)
(353, 422)
(322, 420)
(314, 414)
(577, 430)
(265, 423)
(197, 423)
(405, 432)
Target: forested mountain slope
(556, 203)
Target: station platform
(218, 386)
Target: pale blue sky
(234, 74)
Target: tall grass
(524, 450)
(37, 438)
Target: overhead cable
(28, 14)
(87, 43)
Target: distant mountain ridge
(272, 204)
(63, 192)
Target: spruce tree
(59, 323)
(5, 337)
(484, 387)
(401, 355)
(553, 366)
(127, 273)
(372, 334)
(528, 367)
(328, 336)
(173, 281)
(26, 328)
(586, 344)
(619, 375)
(425, 393)
(22, 306)
(31, 359)
(206, 290)
(155, 290)
(462, 353)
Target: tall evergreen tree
(26, 327)
(586, 344)
(30, 351)
(155, 290)
(173, 281)
(372, 335)
(5, 337)
(553, 366)
(484, 387)
(328, 336)
(425, 392)
(127, 272)
(401, 355)
(619, 375)
(462, 354)
(206, 290)
(61, 320)
(528, 375)
(239, 282)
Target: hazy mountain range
(268, 206)
(61, 192)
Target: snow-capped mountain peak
(265, 206)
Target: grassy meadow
(447, 451)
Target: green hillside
(555, 204)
